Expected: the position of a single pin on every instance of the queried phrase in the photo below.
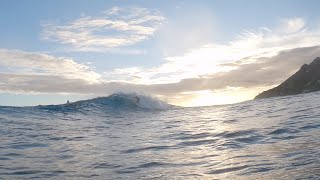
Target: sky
(185, 52)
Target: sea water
(120, 138)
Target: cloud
(293, 25)
(21, 63)
(115, 28)
(262, 72)
(205, 60)
(28, 72)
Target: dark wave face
(127, 137)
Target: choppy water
(277, 138)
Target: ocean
(125, 137)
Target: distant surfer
(68, 102)
(137, 99)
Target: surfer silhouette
(137, 98)
(68, 102)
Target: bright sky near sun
(186, 52)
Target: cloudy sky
(188, 53)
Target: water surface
(276, 138)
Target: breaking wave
(118, 101)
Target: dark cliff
(307, 79)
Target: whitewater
(127, 136)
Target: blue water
(120, 137)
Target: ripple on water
(228, 169)
(311, 126)
(28, 145)
(239, 133)
(148, 148)
(197, 142)
(283, 131)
